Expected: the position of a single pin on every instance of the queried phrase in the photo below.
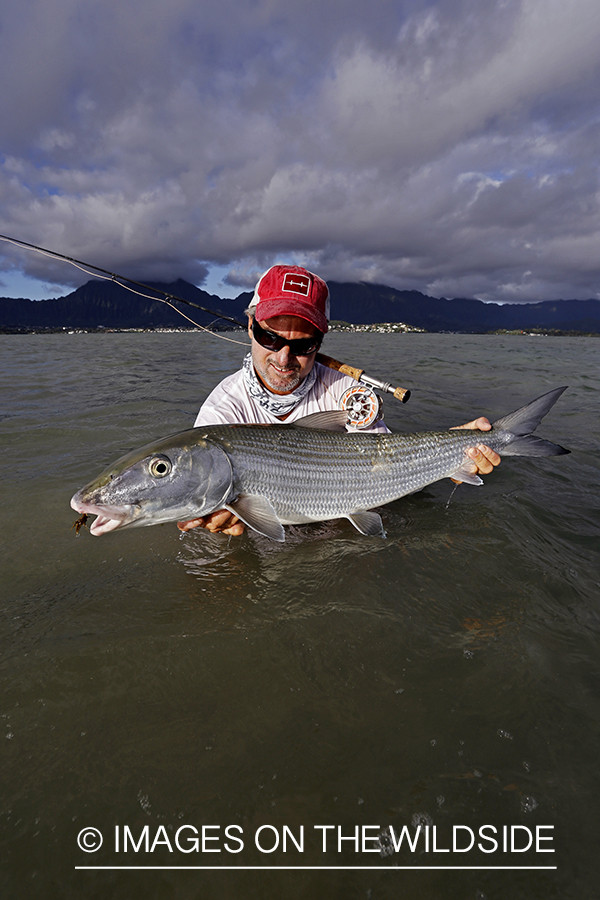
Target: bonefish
(312, 470)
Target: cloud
(449, 147)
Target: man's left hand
(483, 457)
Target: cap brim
(286, 306)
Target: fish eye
(160, 466)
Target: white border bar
(323, 868)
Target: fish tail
(521, 423)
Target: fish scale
(304, 472)
(275, 475)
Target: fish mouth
(109, 518)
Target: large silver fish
(275, 475)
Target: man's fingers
(484, 458)
(236, 529)
(480, 424)
(219, 521)
(191, 523)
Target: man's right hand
(219, 521)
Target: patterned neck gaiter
(277, 404)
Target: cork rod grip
(339, 366)
(401, 394)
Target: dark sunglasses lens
(270, 341)
(266, 339)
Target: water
(445, 676)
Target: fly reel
(362, 405)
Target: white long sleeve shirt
(230, 403)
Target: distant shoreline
(355, 307)
(335, 328)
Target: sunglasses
(298, 347)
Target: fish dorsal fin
(331, 420)
(256, 512)
(367, 522)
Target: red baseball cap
(291, 291)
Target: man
(280, 379)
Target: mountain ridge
(101, 304)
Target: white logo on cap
(296, 284)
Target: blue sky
(446, 146)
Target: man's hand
(484, 458)
(219, 521)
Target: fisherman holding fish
(281, 380)
(231, 471)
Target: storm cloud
(450, 147)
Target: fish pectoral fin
(463, 473)
(257, 513)
(367, 522)
(331, 420)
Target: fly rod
(358, 374)
(401, 394)
(117, 279)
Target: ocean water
(155, 685)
